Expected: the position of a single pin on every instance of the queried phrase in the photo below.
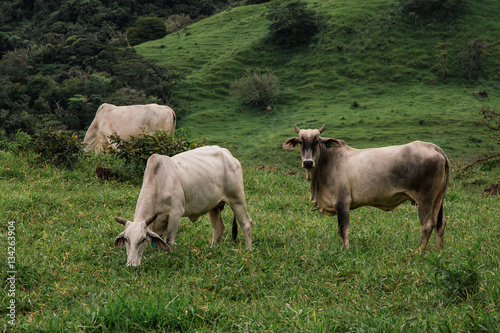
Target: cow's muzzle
(307, 164)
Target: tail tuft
(235, 228)
(439, 223)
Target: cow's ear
(332, 143)
(155, 239)
(120, 240)
(291, 143)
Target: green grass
(298, 278)
(366, 54)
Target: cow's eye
(126, 239)
(142, 240)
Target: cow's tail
(440, 217)
(235, 228)
(439, 223)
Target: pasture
(298, 278)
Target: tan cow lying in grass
(189, 184)
(343, 178)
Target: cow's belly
(202, 203)
(386, 203)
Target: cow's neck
(319, 178)
(316, 176)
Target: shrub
(259, 88)
(144, 29)
(254, 2)
(21, 143)
(138, 149)
(432, 8)
(60, 148)
(175, 22)
(471, 57)
(293, 24)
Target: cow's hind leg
(343, 221)
(440, 226)
(217, 225)
(427, 222)
(245, 222)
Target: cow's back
(131, 120)
(209, 172)
(128, 121)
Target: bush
(432, 8)
(293, 24)
(138, 149)
(60, 148)
(259, 88)
(471, 57)
(254, 2)
(21, 143)
(175, 22)
(145, 29)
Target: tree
(492, 121)
(144, 29)
(472, 56)
(293, 24)
(176, 22)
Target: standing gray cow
(189, 184)
(343, 178)
(127, 121)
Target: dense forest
(60, 59)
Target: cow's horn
(296, 129)
(322, 128)
(121, 220)
(151, 219)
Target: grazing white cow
(189, 184)
(127, 121)
(343, 178)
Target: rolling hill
(373, 75)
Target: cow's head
(310, 143)
(135, 237)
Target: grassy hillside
(366, 53)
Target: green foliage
(292, 23)
(177, 21)
(254, 2)
(144, 29)
(259, 88)
(21, 143)
(442, 59)
(426, 9)
(61, 85)
(138, 149)
(59, 148)
(472, 57)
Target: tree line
(61, 59)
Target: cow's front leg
(172, 227)
(217, 225)
(342, 210)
